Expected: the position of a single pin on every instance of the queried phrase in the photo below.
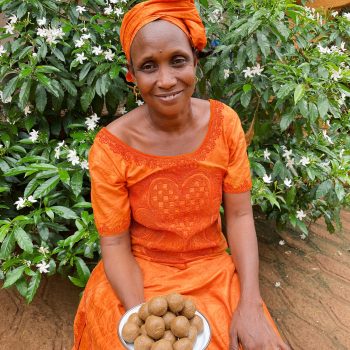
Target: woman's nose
(166, 79)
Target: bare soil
(305, 283)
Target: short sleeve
(237, 178)
(109, 194)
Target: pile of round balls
(164, 323)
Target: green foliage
(277, 64)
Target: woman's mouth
(169, 97)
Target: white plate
(202, 341)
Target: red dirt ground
(311, 306)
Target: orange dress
(170, 204)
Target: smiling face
(163, 66)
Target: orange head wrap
(181, 13)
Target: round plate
(202, 341)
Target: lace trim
(244, 186)
(137, 157)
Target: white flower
(42, 21)
(31, 199)
(257, 70)
(94, 117)
(341, 153)
(113, 1)
(336, 75)
(300, 215)
(108, 10)
(118, 11)
(9, 28)
(278, 284)
(42, 32)
(267, 154)
(79, 43)
(267, 179)
(347, 16)
(43, 267)
(80, 9)
(290, 163)
(27, 262)
(84, 164)
(81, 57)
(86, 36)
(61, 144)
(27, 110)
(303, 236)
(226, 73)
(91, 122)
(287, 154)
(342, 47)
(20, 203)
(334, 13)
(72, 157)
(34, 135)
(215, 16)
(304, 161)
(34, 54)
(288, 182)
(139, 102)
(96, 50)
(121, 110)
(13, 19)
(57, 152)
(248, 72)
(109, 55)
(327, 137)
(43, 250)
(282, 242)
(2, 50)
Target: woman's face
(163, 66)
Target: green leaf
(46, 187)
(47, 69)
(23, 239)
(43, 231)
(322, 105)
(64, 212)
(4, 228)
(25, 52)
(286, 120)
(84, 71)
(77, 282)
(21, 10)
(76, 182)
(291, 196)
(82, 269)
(42, 52)
(58, 54)
(87, 97)
(252, 50)
(7, 246)
(285, 90)
(70, 87)
(24, 93)
(245, 98)
(9, 88)
(40, 98)
(263, 43)
(64, 176)
(13, 276)
(33, 286)
(298, 93)
(247, 87)
(339, 191)
(324, 188)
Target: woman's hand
(251, 329)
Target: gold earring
(136, 91)
(196, 80)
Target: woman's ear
(130, 75)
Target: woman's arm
(122, 270)
(249, 324)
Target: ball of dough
(176, 302)
(155, 327)
(143, 330)
(162, 344)
(143, 342)
(180, 326)
(130, 332)
(183, 344)
(158, 306)
(168, 317)
(192, 334)
(135, 319)
(189, 309)
(197, 322)
(144, 312)
(168, 335)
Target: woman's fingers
(233, 341)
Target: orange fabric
(181, 13)
(171, 207)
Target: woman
(158, 177)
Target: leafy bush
(283, 67)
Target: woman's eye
(179, 61)
(148, 66)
